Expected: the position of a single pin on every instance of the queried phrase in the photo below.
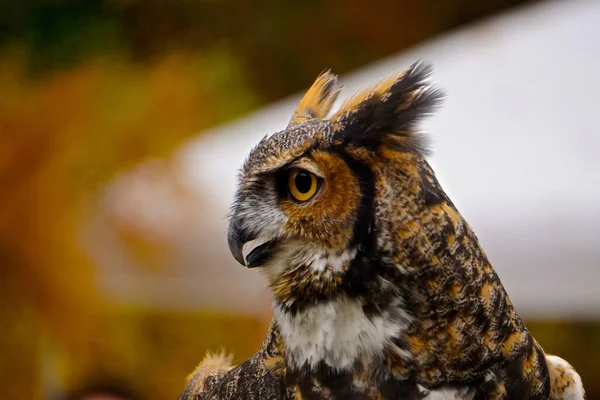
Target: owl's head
(321, 200)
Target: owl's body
(380, 287)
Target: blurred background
(123, 123)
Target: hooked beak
(246, 249)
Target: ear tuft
(318, 100)
(390, 110)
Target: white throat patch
(336, 332)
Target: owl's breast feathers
(265, 376)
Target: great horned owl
(381, 289)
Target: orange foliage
(61, 138)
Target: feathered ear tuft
(390, 110)
(318, 100)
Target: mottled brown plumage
(381, 289)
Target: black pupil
(303, 182)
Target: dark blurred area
(274, 48)
(91, 89)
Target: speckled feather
(381, 289)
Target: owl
(380, 288)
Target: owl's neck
(341, 313)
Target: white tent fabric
(516, 146)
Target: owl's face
(295, 210)
(310, 196)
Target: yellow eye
(302, 184)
